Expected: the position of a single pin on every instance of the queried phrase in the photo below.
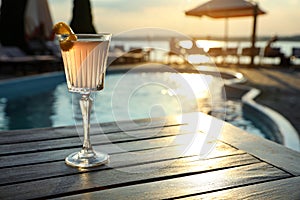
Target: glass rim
(88, 34)
(86, 37)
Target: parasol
(228, 9)
(38, 21)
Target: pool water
(126, 96)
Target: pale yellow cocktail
(85, 64)
(84, 57)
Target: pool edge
(290, 137)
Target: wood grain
(149, 159)
(190, 184)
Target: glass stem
(86, 103)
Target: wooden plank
(152, 164)
(34, 158)
(168, 182)
(6, 149)
(56, 169)
(48, 140)
(221, 149)
(287, 188)
(41, 160)
(28, 135)
(271, 152)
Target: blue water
(132, 98)
(125, 97)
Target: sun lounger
(196, 55)
(275, 53)
(118, 55)
(295, 57)
(296, 52)
(216, 53)
(195, 50)
(177, 52)
(115, 55)
(272, 55)
(247, 52)
(272, 52)
(12, 56)
(231, 52)
(53, 48)
(119, 48)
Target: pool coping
(288, 136)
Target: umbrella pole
(226, 33)
(253, 39)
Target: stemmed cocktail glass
(84, 57)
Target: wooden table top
(193, 156)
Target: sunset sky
(117, 16)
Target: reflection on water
(28, 112)
(134, 96)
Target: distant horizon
(218, 38)
(117, 17)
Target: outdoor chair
(215, 53)
(38, 47)
(16, 58)
(177, 52)
(295, 55)
(135, 54)
(53, 48)
(296, 52)
(13, 59)
(115, 55)
(196, 55)
(120, 48)
(272, 54)
(195, 50)
(247, 52)
(14, 54)
(230, 53)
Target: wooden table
(149, 160)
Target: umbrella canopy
(225, 9)
(228, 9)
(38, 21)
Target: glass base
(86, 159)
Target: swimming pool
(126, 96)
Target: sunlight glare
(199, 125)
(207, 44)
(187, 44)
(197, 59)
(191, 86)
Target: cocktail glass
(84, 57)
